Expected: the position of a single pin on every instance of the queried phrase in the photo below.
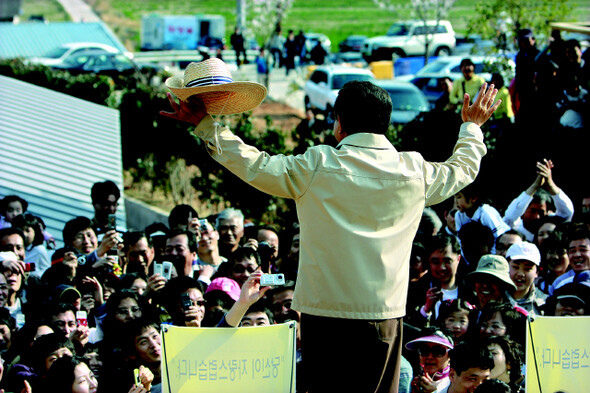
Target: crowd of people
(473, 281)
(86, 317)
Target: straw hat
(212, 81)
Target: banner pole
(530, 320)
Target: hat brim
(413, 345)
(491, 272)
(224, 99)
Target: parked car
(62, 53)
(408, 101)
(352, 43)
(311, 39)
(104, 63)
(408, 39)
(322, 87)
(450, 67)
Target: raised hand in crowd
(98, 296)
(111, 240)
(251, 292)
(482, 108)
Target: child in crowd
(524, 259)
(471, 206)
(459, 317)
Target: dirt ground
(283, 116)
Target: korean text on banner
(258, 359)
(562, 352)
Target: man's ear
(452, 374)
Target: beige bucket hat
(494, 265)
(212, 81)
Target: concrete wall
(140, 215)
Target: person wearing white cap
(524, 259)
(359, 207)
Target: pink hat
(227, 285)
(437, 337)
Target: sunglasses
(242, 269)
(436, 351)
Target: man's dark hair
(59, 308)
(74, 226)
(135, 328)
(363, 107)
(493, 386)
(578, 232)
(12, 198)
(441, 241)
(27, 220)
(466, 62)
(261, 306)
(191, 238)
(5, 232)
(45, 345)
(468, 355)
(131, 238)
(100, 191)
(243, 253)
(514, 232)
(179, 215)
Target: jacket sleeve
(279, 175)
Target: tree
(493, 16)
(266, 17)
(424, 10)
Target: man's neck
(211, 258)
(449, 285)
(11, 301)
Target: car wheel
(398, 53)
(442, 51)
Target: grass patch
(335, 18)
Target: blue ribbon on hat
(209, 80)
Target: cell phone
(82, 318)
(29, 267)
(167, 270)
(272, 280)
(186, 301)
(157, 268)
(136, 377)
(20, 321)
(112, 223)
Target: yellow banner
(562, 353)
(256, 359)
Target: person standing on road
(359, 206)
(237, 42)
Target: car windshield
(339, 80)
(398, 29)
(56, 53)
(404, 100)
(435, 66)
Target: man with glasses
(244, 261)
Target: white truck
(167, 32)
(408, 38)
